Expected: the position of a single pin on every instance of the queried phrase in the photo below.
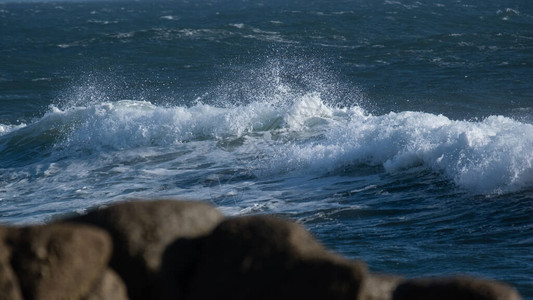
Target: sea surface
(398, 132)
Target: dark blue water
(398, 132)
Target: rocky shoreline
(169, 249)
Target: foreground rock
(110, 286)
(59, 261)
(268, 258)
(187, 250)
(454, 288)
(380, 286)
(9, 286)
(141, 232)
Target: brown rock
(9, 286)
(110, 287)
(380, 286)
(178, 267)
(141, 232)
(457, 288)
(263, 257)
(58, 261)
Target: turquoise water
(398, 132)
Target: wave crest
(490, 156)
(304, 134)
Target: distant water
(398, 132)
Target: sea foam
(488, 156)
(492, 155)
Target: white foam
(237, 25)
(169, 17)
(128, 124)
(4, 128)
(490, 156)
(301, 133)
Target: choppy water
(398, 132)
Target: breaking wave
(304, 133)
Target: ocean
(398, 132)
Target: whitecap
(237, 25)
(5, 128)
(169, 17)
(491, 156)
